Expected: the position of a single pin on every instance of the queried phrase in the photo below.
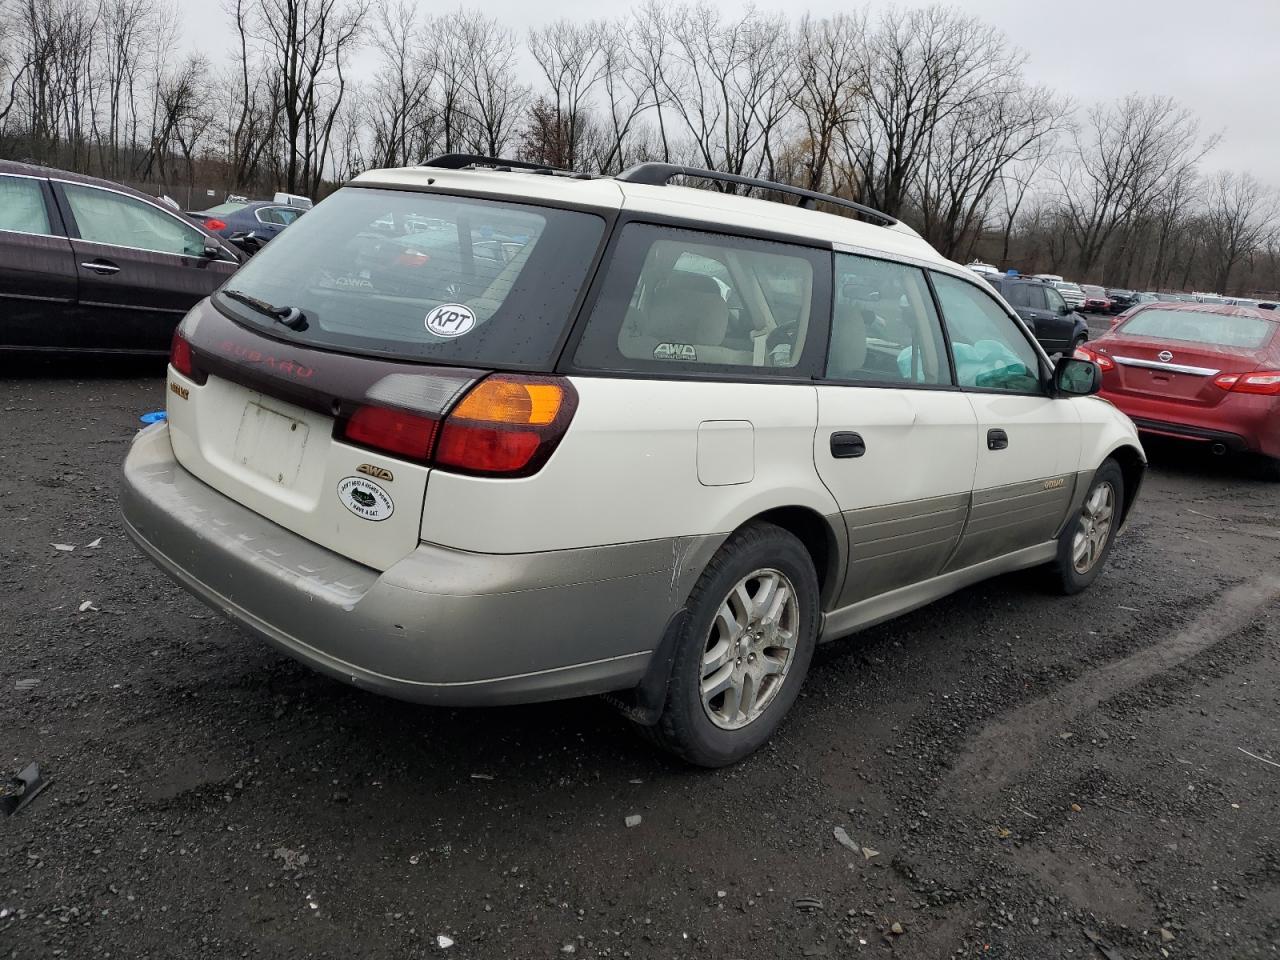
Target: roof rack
(460, 161)
(658, 175)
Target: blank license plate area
(271, 444)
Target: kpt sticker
(451, 320)
(365, 498)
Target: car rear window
(1193, 326)
(226, 208)
(450, 279)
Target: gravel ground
(1018, 775)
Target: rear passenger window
(884, 328)
(1017, 294)
(697, 299)
(990, 350)
(22, 206)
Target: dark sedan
(263, 217)
(87, 264)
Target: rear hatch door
(261, 430)
(390, 302)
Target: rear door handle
(846, 444)
(997, 439)
(101, 266)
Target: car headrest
(688, 308)
(848, 339)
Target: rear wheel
(1079, 341)
(744, 650)
(1086, 540)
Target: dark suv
(1058, 328)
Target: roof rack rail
(460, 161)
(658, 174)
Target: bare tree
(732, 83)
(830, 74)
(1239, 215)
(492, 94)
(1123, 160)
(922, 67)
(571, 58)
(400, 111)
(306, 42)
(970, 149)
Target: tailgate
(260, 430)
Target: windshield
(1214, 329)
(425, 276)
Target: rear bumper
(440, 626)
(1241, 423)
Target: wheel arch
(824, 541)
(1133, 467)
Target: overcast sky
(1221, 57)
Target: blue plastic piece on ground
(155, 416)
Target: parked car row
(91, 265)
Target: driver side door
(140, 268)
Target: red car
(1095, 299)
(1197, 371)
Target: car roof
(687, 203)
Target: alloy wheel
(1093, 528)
(749, 648)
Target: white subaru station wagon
(478, 432)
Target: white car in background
(673, 442)
(1071, 292)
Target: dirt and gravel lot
(1022, 775)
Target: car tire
(1079, 342)
(717, 730)
(1085, 541)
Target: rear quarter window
(700, 302)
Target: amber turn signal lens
(518, 402)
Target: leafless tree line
(926, 114)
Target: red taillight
(1104, 362)
(182, 359)
(506, 426)
(214, 224)
(1263, 382)
(396, 432)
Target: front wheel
(1079, 342)
(744, 650)
(1085, 542)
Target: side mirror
(1064, 310)
(1074, 377)
(212, 249)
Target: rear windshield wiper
(291, 317)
